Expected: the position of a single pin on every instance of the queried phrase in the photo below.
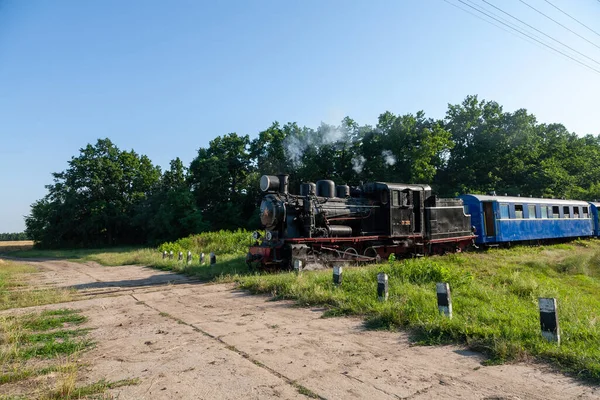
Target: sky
(166, 77)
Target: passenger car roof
(525, 200)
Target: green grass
(230, 248)
(14, 294)
(95, 388)
(494, 295)
(35, 335)
(50, 338)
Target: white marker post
(171, 255)
(382, 287)
(337, 275)
(549, 319)
(189, 257)
(213, 258)
(164, 255)
(180, 256)
(443, 299)
(298, 265)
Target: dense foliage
(109, 197)
(13, 236)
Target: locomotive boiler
(326, 222)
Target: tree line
(13, 236)
(108, 196)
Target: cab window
(395, 198)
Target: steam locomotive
(326, 223)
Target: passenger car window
(586, 212)
(531, 210)
(576, 212)
(555, 213)
(504, 211)
(544, 210)
(566, 212)
(518, 211)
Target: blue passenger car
(594, 207)
(503, 219)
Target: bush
(221, 242)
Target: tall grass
(221, 242)
(494, 298)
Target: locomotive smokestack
(284, 180)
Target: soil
(189, 340)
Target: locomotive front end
(269, 250)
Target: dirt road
(188, 340)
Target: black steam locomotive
(327, 223)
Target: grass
(230, 248)
(35, 335)
(42, 343)
(494, 293)
(52, 336)
(67, 389)
(15, 294)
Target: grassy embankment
(494, 295)
(39, 350)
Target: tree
(170, 212)
(219, 178)
(94, 200)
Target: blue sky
(164, 78)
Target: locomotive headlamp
(255, 235)
(269, 183)
(269, 235)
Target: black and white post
(180, 256)
(213, 258)
(298, 264)
(337, 275)
(171, 255)
(202, 259)
(164, 255)
(549, 319)
(382, 287)
(189, 257)
(443, 299)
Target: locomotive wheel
(372, 252)
(349, 253)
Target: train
(326, 223)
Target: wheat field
(15, 245)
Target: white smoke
(390, 159)
(358, 163)
(296, 145)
